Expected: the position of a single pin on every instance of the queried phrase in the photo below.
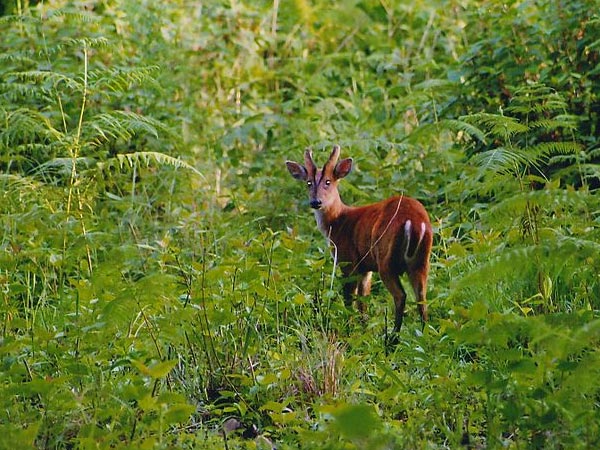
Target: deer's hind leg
(391, 281)
(418, 281)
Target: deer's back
(374, 234)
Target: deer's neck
(327, 218)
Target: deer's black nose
(315, 204)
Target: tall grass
(162, 281)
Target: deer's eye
(309, 183)
(327, 182)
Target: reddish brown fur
(373, 238)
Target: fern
(75, 15)
(95, 43)
(559, 122)
(121, 125)
(121, 79)
(498, 125)
(146, 158)
(500, 160)
(535, 98)
(545, 150)
(590, 172)
(16, 58)
(47, 79)
(18, 182)
(547, 198)
(12, 19)
(62, 168)
(530, 145)
(26, 125)
(513, 160)
(526, 133)
(463, 126)
(517, 269)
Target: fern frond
(593, 153)
(63, 166)
(538, 106)
(591, 171)
(16, 57)
(497, 124)
(518, 264)
(53, 79)
(121, 125)
(99, 42)
(499, 160)
(465, 127)
(17, 181)
(72, 14)
(68, 46)
(533, 90)
(566, 123)
(536, 100)
(15, 93)
(146, 158)
(568, 159)
(121, 79)
(26, 125)
(547, 198)
(13, 18)
(547, 149)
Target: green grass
(164, 285)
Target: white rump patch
(407, 227)
(423, 229)
(407, 230)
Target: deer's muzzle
(315, 204)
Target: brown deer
(391, 237)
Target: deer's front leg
(350, 287)
(364, 289)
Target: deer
(391, 237)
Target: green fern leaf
(146, 158)
(121, 79)
(26, 125)
(63, 166)
(547, 198)
(99, 42)
(71, 14)
(499, 160)
(19, 19)
(465, 127)
(521, 263)
(497, 124)
(554, 124)
(547, 149)
(121, 125)
(51, 79)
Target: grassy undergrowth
(164, 284)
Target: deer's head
(321, 183)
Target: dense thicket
(163, 282)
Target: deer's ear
(343, 168)
(296, 170)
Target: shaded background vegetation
(164, 285)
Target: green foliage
(163, 282)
